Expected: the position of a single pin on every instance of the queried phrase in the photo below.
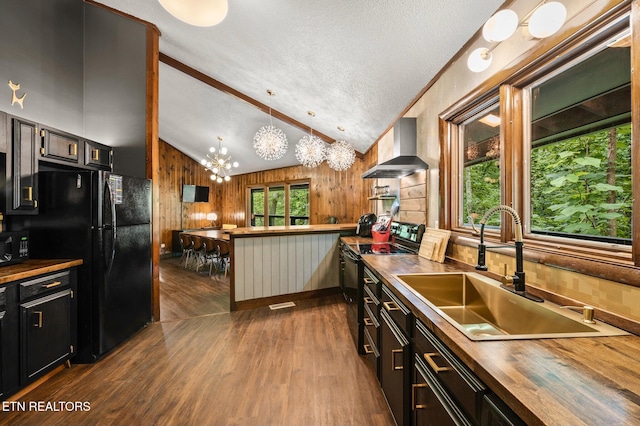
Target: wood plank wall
(340, 194)
(413, 198)
(176, 169)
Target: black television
(195, 194)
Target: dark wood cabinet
(22, 167)
(38, 327)
(395, 367)
(97, 155)
(60, 146)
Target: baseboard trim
(291, 297)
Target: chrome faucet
(517, 280)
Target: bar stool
(222, 248)
(187, 248)
(210, 252)
(198, 251)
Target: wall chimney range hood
(405, 160)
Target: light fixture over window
(270, 142)
(201, 13)
(219, 163)
(543, 21)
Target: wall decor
(14, 97)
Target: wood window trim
(582, 257)
(286, 184)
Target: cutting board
(440, 239)
(427, 249)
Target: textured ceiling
(357, 64)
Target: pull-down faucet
(518, 279)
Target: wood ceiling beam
(198, 75)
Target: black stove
(405, 239)
(381, 248)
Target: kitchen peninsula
(271, 264)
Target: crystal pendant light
(340, 155)
(219, 163)
(310, 150)
(270, 142)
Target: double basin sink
(482, 310)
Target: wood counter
(569, 381)
(256, 231)
(32, 267)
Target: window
(480, 183)
(579, 145)
(282, 204)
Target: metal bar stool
(210, 252)
(222, 248)
(198, 250)
(187, 248)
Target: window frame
(267, 187)
(581, 255)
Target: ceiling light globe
(227, 166)
(212, 177)
(212, 150)
(215, 170)
(479, 60)
(221, 161)
(227, 178)
(203, 162)
(500, 26)
(547, 19)
(223, 150)
(219, 179)
(235, 164)
(200, 13)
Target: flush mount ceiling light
(543, 21)
(219, 164)
(500, 26)
(340, 155)
(310, 150)
(270, 142)
(201, 13)
(547, 19)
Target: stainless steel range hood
(405, 160)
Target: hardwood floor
(294, 366)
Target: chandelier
(340, 155)
(218, 163)
(270, 142)
(310, 150)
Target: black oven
(405, 239)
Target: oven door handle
(349, 255)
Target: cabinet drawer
(371, 323)
(463, 385)
(372, 282)
(44, 285)
(371, 351)
(372, 301)
(396, 310)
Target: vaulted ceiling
(356, 64)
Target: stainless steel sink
(479, 308)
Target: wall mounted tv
(195, 194)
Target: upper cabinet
(60, 146)
(22, 166)
(98, 155)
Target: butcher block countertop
(33, 267)
(270, 231)
(570, 381)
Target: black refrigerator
(104, 219)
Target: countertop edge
(268, 231)
(33, 267)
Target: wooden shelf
(383, 197)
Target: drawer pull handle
(368, 300)
(95, 154)
(368, 350)
(368, 281)
(73, 149)
(38, 323)
(394, 352)
(415, 386)
(429, 358)
(53, 284)
(368, 322)
(391, 306)
(27, 193)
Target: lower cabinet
(38, 327)
(395, 367)
(423, 382)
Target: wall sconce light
(543, 21)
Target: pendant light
(200, 13)
(310, 150)
(270, 142)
